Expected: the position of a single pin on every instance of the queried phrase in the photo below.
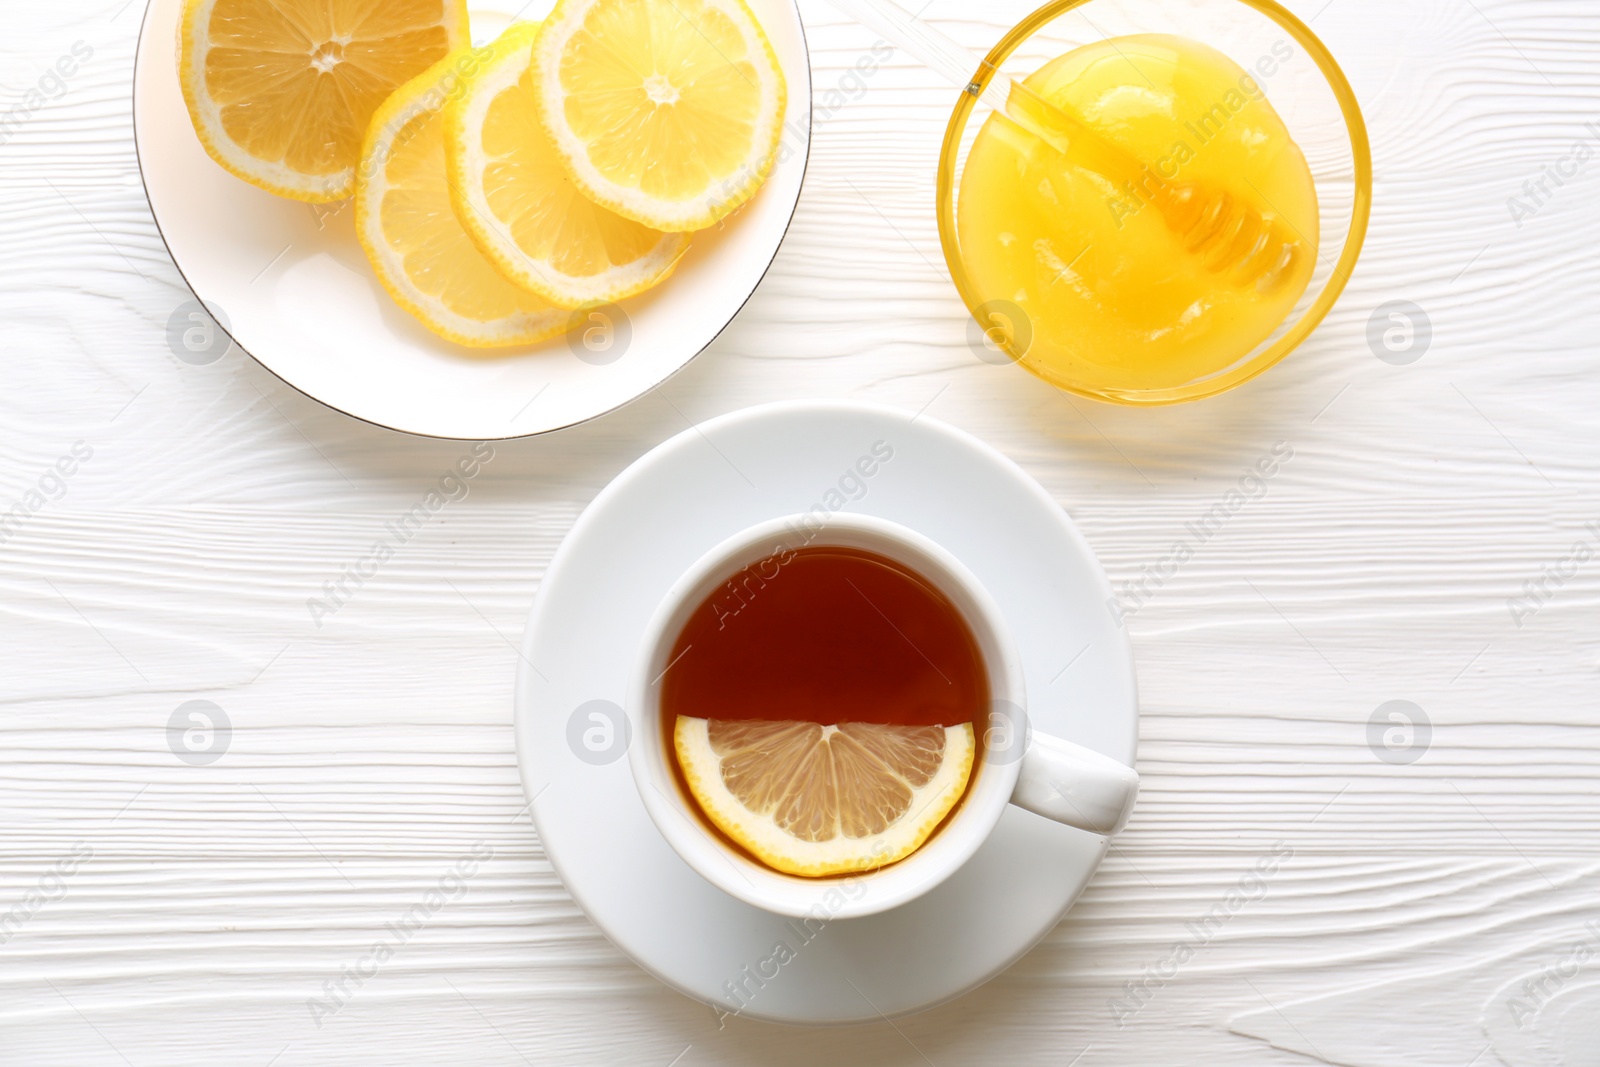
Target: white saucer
(289, 282)
(639, 535)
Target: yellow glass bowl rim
(1361, 210)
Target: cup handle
(1075, 785)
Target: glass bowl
(1308, 91)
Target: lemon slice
(518, 205)
(410, 233)
(665, 111)
(281, 91)
(815, 800)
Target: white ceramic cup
(1049, 776)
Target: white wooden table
(158, 912)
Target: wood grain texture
(203, 906)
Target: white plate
(295, 290)
(640, 534)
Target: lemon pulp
(281, 91)
(1109, 298)
(667, 112)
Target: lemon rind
(776, 848)
(464, 117)
(206, 117)
(698, 212)
(403, 105)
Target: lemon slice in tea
(815, 800)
